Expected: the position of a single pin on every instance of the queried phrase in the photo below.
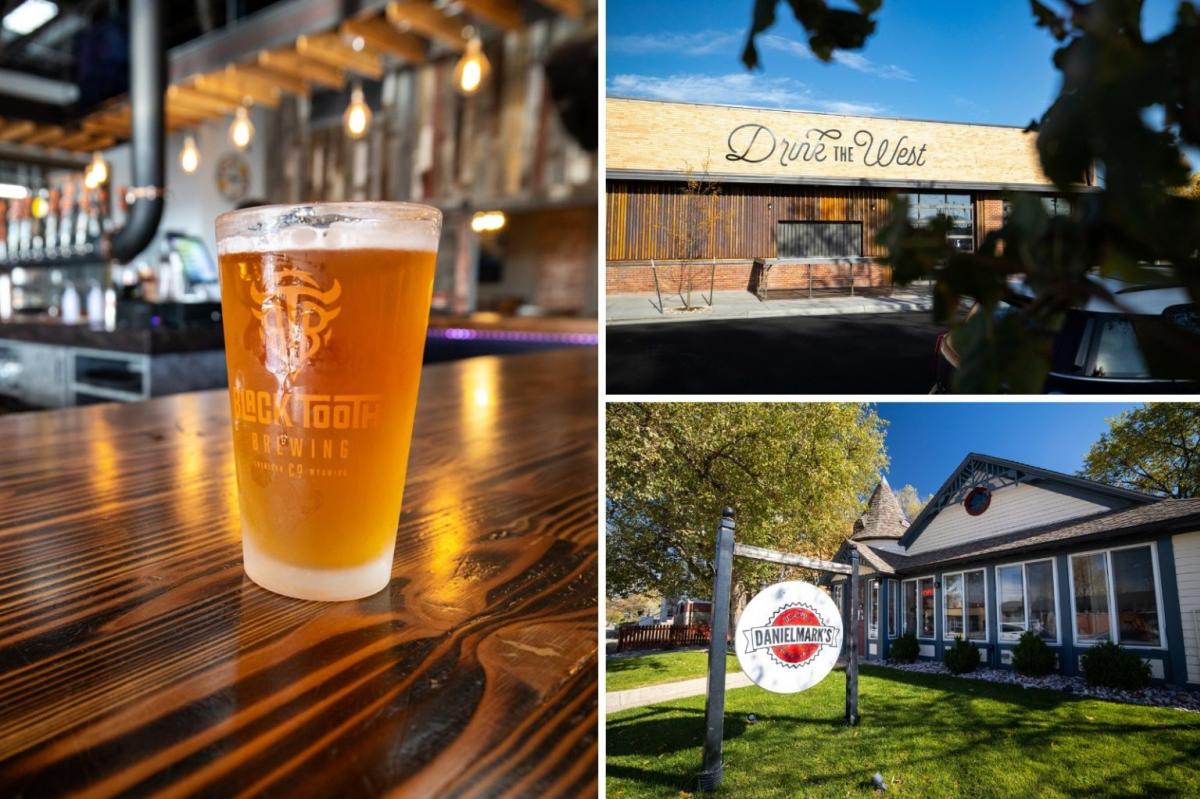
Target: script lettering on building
(754, 143)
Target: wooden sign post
(713, 768)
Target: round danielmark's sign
(789, 637)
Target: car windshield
(1117, 353)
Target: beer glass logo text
(307, 411)
(295, 316)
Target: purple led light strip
(468, 334)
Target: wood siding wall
(646, 219)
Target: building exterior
(1004, 547)
(792, 201)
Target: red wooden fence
(666, 636)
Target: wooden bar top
(136, 658)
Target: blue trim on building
(1176, 670)
(1067, 663)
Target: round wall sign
(789, 637)
(977, 500)
(233, 176)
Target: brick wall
(635, 277)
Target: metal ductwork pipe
(147, 83)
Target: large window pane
(1039, 584)
(893, 608)
(910, 607)
(925, 592)
(1137, 605)
(1090, 575)
(1010, 593)
(952, 601)
(873, 610)
(976, 606)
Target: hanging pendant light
(96, 173)
(189, 156)
(241, 132)
(357, 118)
(473, 68)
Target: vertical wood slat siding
(645, 217)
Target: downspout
(147, 78)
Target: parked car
(1097, 351)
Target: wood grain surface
(136, 658)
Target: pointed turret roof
(883, 517)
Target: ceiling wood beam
(329, 48)
(46, 136)
(571, 8)
(421, 17)
(505, 14)
(379, 34)
(198, 102)
(292, 63)
(266, 79)
(106, 125)
(218, 85)
(17, 130)
(86, 141)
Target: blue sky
(958, 60)
(926, 440)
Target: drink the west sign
(755, 143)
(789, 637)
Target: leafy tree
(910, 501)
(618, 610)
(1155, 449)
(1127, 107)
(797, 476)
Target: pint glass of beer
(325, 308)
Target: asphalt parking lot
(889, 353)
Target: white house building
(1004, 547)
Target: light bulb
(97, 170)
(189, 156)
(357, 117)
(473, 68)
(488, 221)
(241, 132)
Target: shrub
(905, 648)
(1031, 656)
(1109, 666)
(962, 657)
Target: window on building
(873, 610)
(893, 608)
(1025, 595)
(964, 603)
(910, 606)
(818, 239)
(925, 600)
(925, 207)
(1116, 597)
(1055, 206)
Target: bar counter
(136, 658)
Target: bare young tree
(695, 233)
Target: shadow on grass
(944, 728)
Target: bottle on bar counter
(50, 226)
(25, 240)
(66, 224)
(81, 222)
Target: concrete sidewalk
(665, 692)
(627, 309)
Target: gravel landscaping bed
(1154, 696)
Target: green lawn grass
(634, 672)
(929, 735)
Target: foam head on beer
(325, 310)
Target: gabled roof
(883, 517)
(977, 467)
(1162, 516)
